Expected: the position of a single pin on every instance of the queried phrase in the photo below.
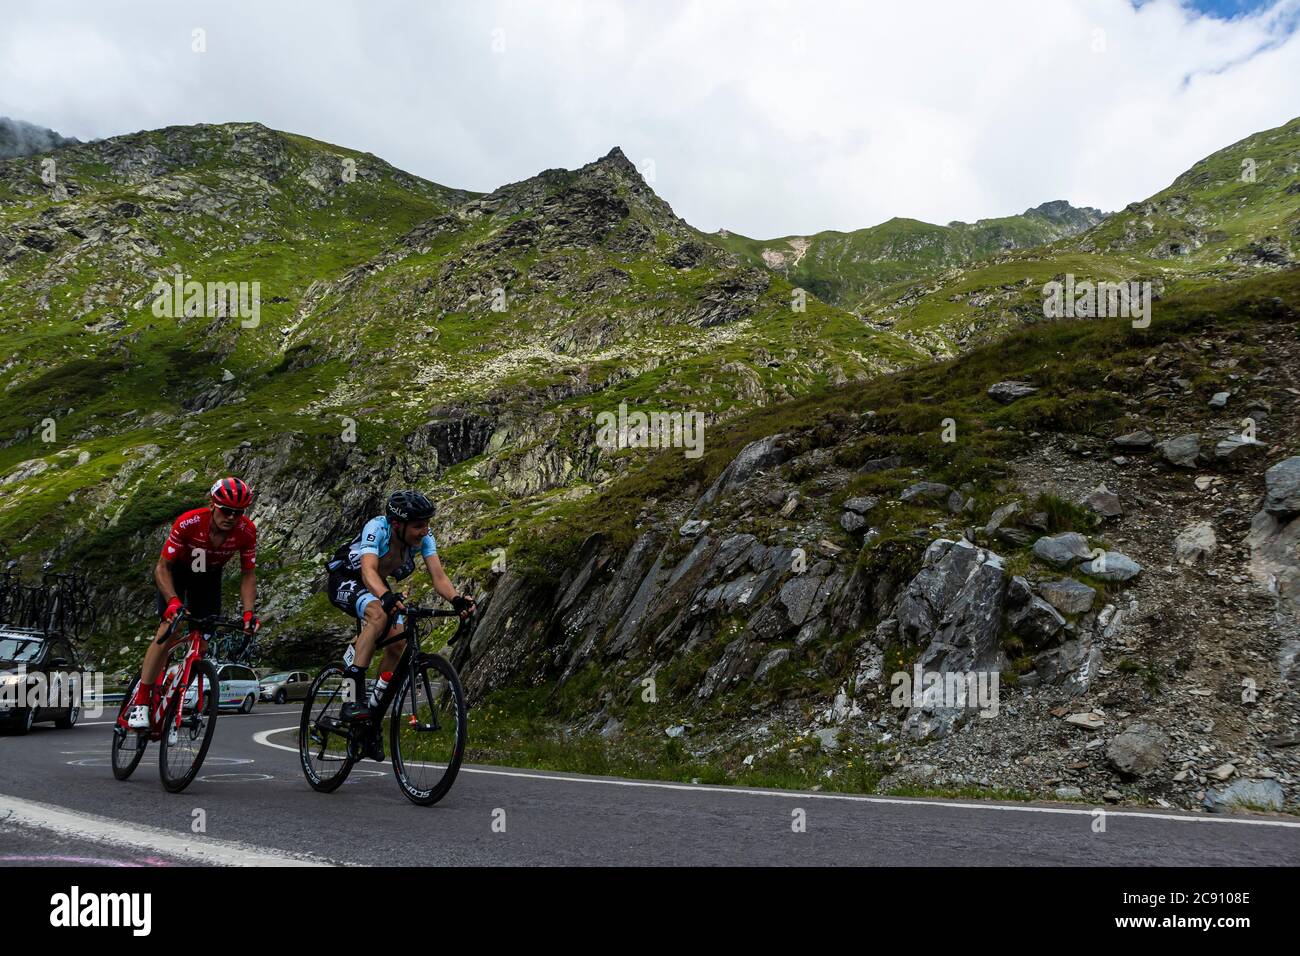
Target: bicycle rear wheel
(183, 747)
(324, 740)
(429, 730)
(128, 745)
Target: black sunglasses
(230, 512)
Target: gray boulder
(1068, 595)
(1183, 451)
(1195, 543)
(861, 505)
(1104, 502)
(1282, 489)
(852, 522)
(1061, 550)
(1008, 392)
(1246, 794)
(1238, 448)
(1000, 516)
(925, 492)
(1112, 566)
(1139, 750)
(1275, 557)
(1135, 441)
(888, 463)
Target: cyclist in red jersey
(188, 575)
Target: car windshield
(274, 678)
(19, 650)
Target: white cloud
(769, 118)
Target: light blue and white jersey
(376, 538)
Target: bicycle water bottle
(380, 685)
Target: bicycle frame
(177, 675)
(406, 664)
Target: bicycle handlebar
(415, 612)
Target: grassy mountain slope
(848, 268)
(1210, 225)
(408, 334)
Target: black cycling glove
(389, 601)
(461, 603)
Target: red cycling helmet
(231, 493)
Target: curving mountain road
(59, 803)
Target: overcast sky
(767, 118)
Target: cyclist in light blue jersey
(358, 584)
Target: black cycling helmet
(408, 505)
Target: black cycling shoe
(356, 713)
(375, 750)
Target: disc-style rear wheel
(324, 740)
(429, 730)
(128, 744)
(183, 746)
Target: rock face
(1139, 750)
(755, 457)
(1282, 489)
(1275, 557)
(954, 606)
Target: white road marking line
(261, 737)
(192, 847)
(101, 723)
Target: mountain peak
(1060, 211)
(616, 160)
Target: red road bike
(183, 711)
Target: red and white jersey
(192, 532)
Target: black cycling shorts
(345, 589)
(200, 590)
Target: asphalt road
(59, 804)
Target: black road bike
(427, 726)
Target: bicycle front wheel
(429, 730)
(128, 744)
(185, 741)
(324, 740)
